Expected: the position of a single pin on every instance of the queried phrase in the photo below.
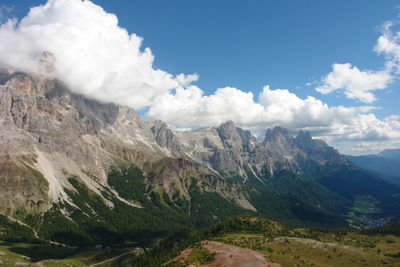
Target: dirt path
(233, 256)
(229, 256)
(116, 257)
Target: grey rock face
(164, 136)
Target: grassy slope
(326, 249)
(305, 247)
(51, 256)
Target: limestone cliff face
(48, 134)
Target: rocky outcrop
(165, 137)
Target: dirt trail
(230, 256)
(116, 257)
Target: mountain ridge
(59, 152)
(386, 162)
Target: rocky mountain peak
(234, 137)
(164, 136)
(279, 142)
(276, 133)
(28, 84)
(304, 137)
(227, 130)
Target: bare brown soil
(230, 256)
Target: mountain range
(386, 162)
(77, 171)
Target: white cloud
(366, 133)
(359, 85)
(368, 127)
(373, 147)
(94, 56)
(188, 107)
(355, 84)
(388, 44)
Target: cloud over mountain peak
(94, 56)
(97, 58)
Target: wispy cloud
(388, 44)
(5, 12)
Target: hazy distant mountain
(386, 162)
(75, 170)
(390, 154)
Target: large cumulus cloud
(190, 106)
(94, 56)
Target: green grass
(50, 256)
(200, 255)
(289, 247)
(365, 204)
(326, 249)
(197, 257)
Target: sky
(330, 67)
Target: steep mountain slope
(76, 170)
(58, 134)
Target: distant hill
(390, 154)
(386, 162)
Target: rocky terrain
(49, 134)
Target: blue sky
(249, 44)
